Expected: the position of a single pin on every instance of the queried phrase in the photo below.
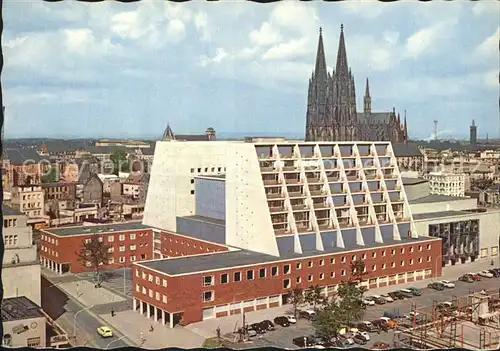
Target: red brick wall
(69, 245)
(174, 245)
(184, 292)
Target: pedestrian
(218, 332)
(112, 312)
(151, 328)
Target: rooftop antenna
(435, 130)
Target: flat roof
(234, 259)
(95, 229)
(214, 176)
(437, 198)
(205, 219)
(441, 214)
(413, 181)
(19, 308)
(9, 211)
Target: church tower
(367, 107)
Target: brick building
(288, 213)
(59, 191)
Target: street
(63, 308)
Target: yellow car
(105, 332)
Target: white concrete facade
(254, 180)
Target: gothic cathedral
(331, 105)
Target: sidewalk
(88, 295)
(228, 324)
(131, 323)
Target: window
(428, 259)
(111, 249)
(192, 192)
(237, 276)
(274, 271)
(150, 278)
(310, 278)
(286, 284)
(137, 273)
(298, 265)
(121, 248)
(100, 239)
(393, 252)
(132, 258)
(353, 258)
(132, 247)
(87, 241)
(383, 253)
(192, 181)
(402, 263)
(428, 246)
(137, 288)
(208, 280)
(332, 274)
(157, 280)
(321, 276)
(332, 260)
(250, 275)
(403, 250)
(132, 236)
(411, 261)
(122, 259)
(121, 237)
(144, 291)
(374, 268)
(111, 260)
(411, 248)
(150, 293)
(393, 264)
(286, 269)
(164, 283)
(374, 254)
(144, 275)
(262, 273)
(342, 260)
(384, 266)
(310, 264)
(192, 170)
(208, 296)
(298, 280)
(164, 298)
(363, 256)
(342, 273)
(34, 342)
(157, 296)
(419, 247)
(224, 279)
(321, 262)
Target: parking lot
(113, 280)
(283, 337)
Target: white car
(387, 298)
(485, 274)
(447, 284)
(368, 302)
(366, 335)
(291, 319)
(411, 315)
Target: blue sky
(124, 70)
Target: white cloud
(428, 38)
(202, 26)
(294, 15)
(22, 96)
(368, 9)
(220, 54)
(292, 48)
(176, 30)
(83, 42)
(485, 7)
(265, 35)
(490, 46)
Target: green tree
(350, 293)
(120, 162)
(314, 297)
(296, 298)
(327, 322)
(51, 176)
(93, 253)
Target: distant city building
(209, 135)
(331, 106)
(20, 269)
(59, 191)
(446, 183)
(93, 190)
(29, 199)
(137, 144)
(24, 166)
(473, 133)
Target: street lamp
(108, 345)
(74, 319)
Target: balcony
(290, 169)
(317, 193)
(293, 181)
(320, 205)
(275, 196)
(277, 209)
(300, 207)
(295, 194)
(271, 182)
(267, 169)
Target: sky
(75, 69)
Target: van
(307, 314)
(392, 315)
(406, 293)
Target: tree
(350, 293)
(93, 253)
(120, 162)
(51, 176)
(296, 298)
(314, 297)
(327, 323)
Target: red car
(474, 276)
(379, 345)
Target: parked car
(380, 325)
(360, 339)
(347, 339)
(406, 293)
(365, 334)
(495, 272)
(291, 319)
(343, 343)
(303, 341)
(258, 328)
(367, 327)
(387, 298)
(307, 314)
(444, 305)
(485, 274)
(396, 295)
(466, 278)
(411, 315)
(436, 286)
(474, 276)
(415, 291)
(368, 301)
(282, 321)
(380, 345)
(105, 332)
(389, 322)
(251, 333)
(267, 324)
(447, 284)
(379, 300)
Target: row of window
(11, 240)
(185, 243)
(151, 278)
(208, 169)
(35, 196)
(209, 280)
(49, 250)
(151, 293)
(9, 223)
(50, 239)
